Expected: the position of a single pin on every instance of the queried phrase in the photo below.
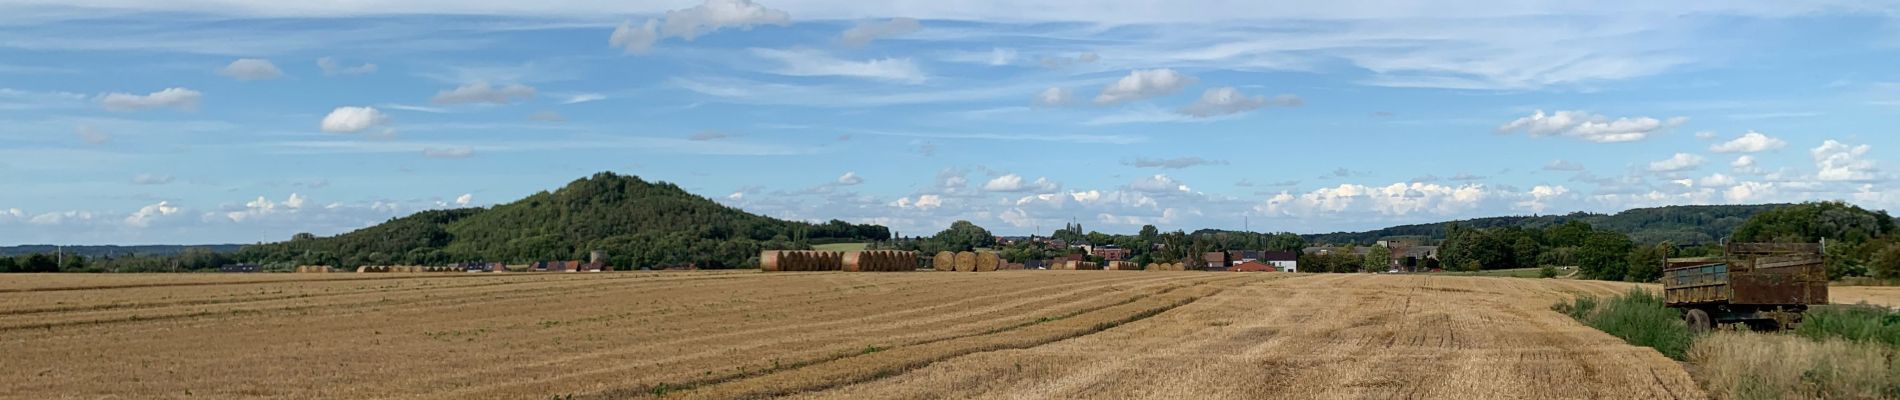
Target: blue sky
(198, 121)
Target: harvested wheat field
(1009, 334)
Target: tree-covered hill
(1683, 225)
(638, 223)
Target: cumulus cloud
(464, 199)
(1016, 183)
(1228, 100)
(151, 179)
(331, 67)
(1841, 162)
(1743, 163)
(1144, 84)
(91, 135)
(482, 93)
(868, 31)
(1541, 196)
(1751, 142)
(850, 178)
(690, 23)
(251, 69)
(61, 218)
(1678, 163)
(923, 202)
(1054, 97)
(814, 63)
(1170, 163)
(1705, 135)
(1591, 127)
(1397, 199)
(175, 98)
(448, 152)
(1562, 165)
(146, 215)
(1159, 183)
(353, 119)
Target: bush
(1547, 272)
(1859, 323)
(1638, 317)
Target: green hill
(1685, 225)
(638, 223)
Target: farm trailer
(1763, 285)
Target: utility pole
(60, 258)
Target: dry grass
(1734, 365)
(1879, 295)
(1011, 334)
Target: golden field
(1015, 334)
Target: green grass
(1859, 323)
(1638, 317)
(840, 246)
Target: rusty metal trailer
(1763, 285)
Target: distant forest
(114, 251)
(639, 223)
(1682, 225)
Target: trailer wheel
(1698, 320)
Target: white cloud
(331, 67)
(1591, 127)
(690, 23)
(151, 179)
(1743, 162)
(263, 207)
(1068, 61)
(1749, 192)
(353, 119)
(1678, 163)
(251, 69)
(583, 98)
(1562, 165)
(481, 92)
(1016, 183)
(1840, 162)
(1228, 100)
(91, 135)
(1144, 84)
(1001, 56)
(1170, 163)
(448, 152)
(1159, 183)
(176, 98)
(868, 31)
(1705, 135)
(923, 202)
(1541, 196)
(464, 199)
(1716, 180)
(814, 63)
(1054, 96)
(144, 216)
(1397, 199)
(850, 178)
(1751, 142)
(61, 218)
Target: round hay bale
(966, 261)
(908, 261)
(945, 261)
(769, 260)
(987, 262)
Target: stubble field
(1024, 334)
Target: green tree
(964, 236)
(1604, 256)
(1149, 233)
(1646, 262)
(1526, 252)
(1885, 263)
(39, 262)
(8, 265)
(1378, 259)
